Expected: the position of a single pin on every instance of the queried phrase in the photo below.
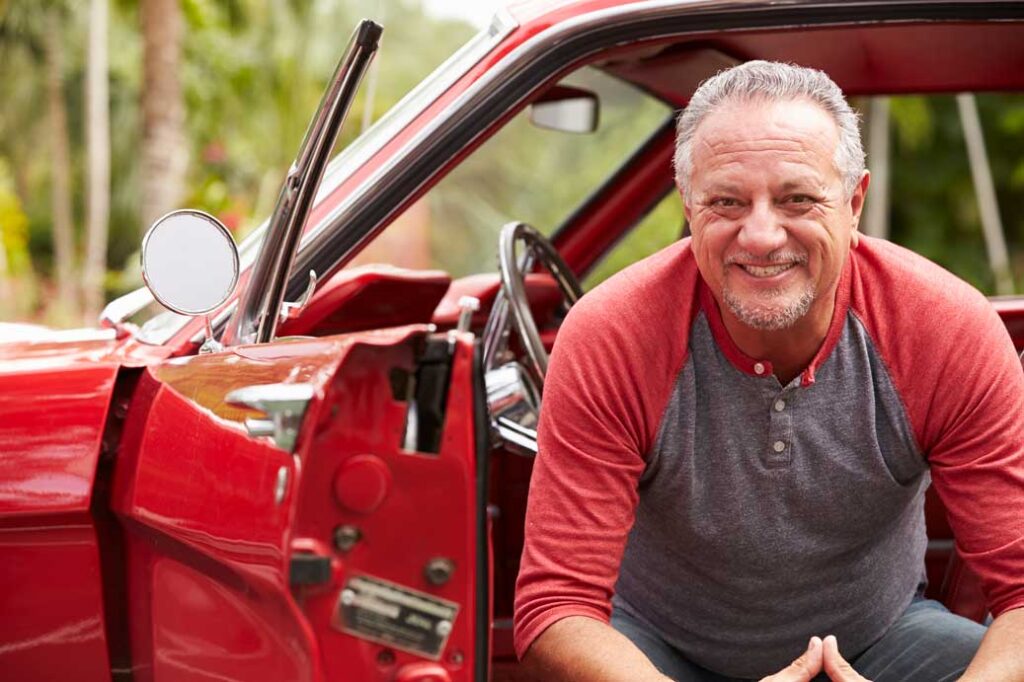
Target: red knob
(361, 483)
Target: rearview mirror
(189, 262)
(570, 110)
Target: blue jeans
(926, 644)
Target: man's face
(771, 223)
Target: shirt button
(778, 446)
(780, 405)
(758, 368)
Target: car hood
(28, 347)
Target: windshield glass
(522, 173)
(159, 325)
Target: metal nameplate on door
(387, 613)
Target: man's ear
(857, 205)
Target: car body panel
(52, 427)
(54, 397)
(196, 496)
(53, 626)
(177, 561)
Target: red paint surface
(51, 424)
(542, 292)
(55, 392)
(370, 297)
(52, 626)
(208, 548)
(205, 628)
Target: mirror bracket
(291, 310)
(211, 344)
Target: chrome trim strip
(264, 293)
(123, 307)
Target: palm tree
(98, 155)
(36, 32)
(164, 144)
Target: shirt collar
(763, 368)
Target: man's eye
(800, 199)
(725, 202)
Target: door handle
(283, 407)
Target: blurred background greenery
(206, 102)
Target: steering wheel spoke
(514, 268)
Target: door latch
(283, 407)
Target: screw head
(439, 570)
(385, 658)
(443, 627)
(348, 597)
(346, 537)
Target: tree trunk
(164, 145)
(985, 191)
(876, 216)
(98, 154)
(60, 158)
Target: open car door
(307, 510)
(300, 509)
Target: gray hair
(771, 82)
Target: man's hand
(803, 668)
(820, 655)
(836, 667)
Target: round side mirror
(189, 262)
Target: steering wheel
(513, 270)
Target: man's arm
(1001, 655)
(581, 648)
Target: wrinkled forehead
(749, 129)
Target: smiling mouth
(766, 270)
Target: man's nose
(762, 231)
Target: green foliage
(13, 227)
(933, 206)
(254, 71)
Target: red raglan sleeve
(976, 454)
(961, 381)
(610, 374)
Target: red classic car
(334, 489)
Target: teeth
(767, 270)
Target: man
(737, 432)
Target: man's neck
(790, 350)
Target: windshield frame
(164, 326)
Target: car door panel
(215, 543)
(412, 511)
